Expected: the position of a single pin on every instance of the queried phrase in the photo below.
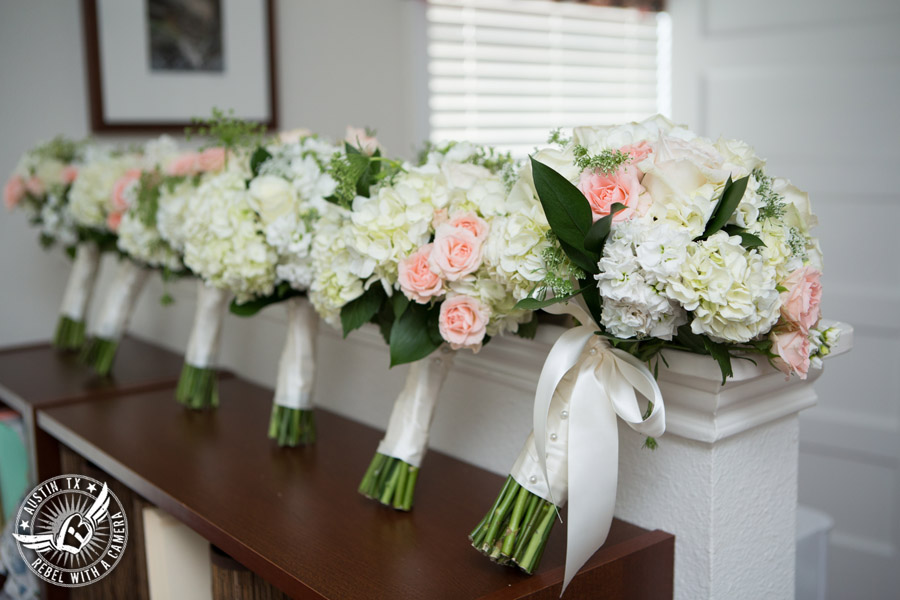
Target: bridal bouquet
(40, 185)
(100, 199)
(440, 259)
(682, 243)
(286, 197)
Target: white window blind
(506, 72)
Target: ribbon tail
(593, 471)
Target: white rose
(272, 197)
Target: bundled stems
(292, 426)
(100, 351)
(392, 475)
(70, 327)
(391, 481)
(293, 422)
(516, 529)
(198, 386)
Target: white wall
(813, 86)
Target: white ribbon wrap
(406, 437)
(579, 449)
(81, 281)
(203, 346)
(120, 301)
(297, 367)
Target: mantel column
(724, 478)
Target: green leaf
(580, 258)
(537, 304)
(248, 309)
(399, 302)
(385, 321)
(592, 298)
(357, 313)
(411, 335)
(259, 156)
(528, 330)
(690, 340)
(599, 231)
(748, 240)
(722, 355)
(567, 211)
(727, 204)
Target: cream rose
(272, 197)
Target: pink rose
(293, 136)
(118, 192)
(456, 253)
(69, 174)
(792, 348)
(602, 191)
(35, 186)
(358, 138)
(440, 217)
(638, 151)
(462, 322)
(13, 191)
(417, 280)
(800, 303)
(471, 222)
(186, 164)
(113, 220)
(211, 159)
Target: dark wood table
(38, 376)
(294, 516)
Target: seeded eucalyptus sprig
(230, 131)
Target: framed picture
(152, 65)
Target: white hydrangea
(639, 259)
(334, 262)
(731, 291)
(225, 245)
(56, 221)
(175, 202)
(145, 245)
(90, 197)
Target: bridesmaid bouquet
(683, 243)
(103, 194)
(441, 258)
(40, 185)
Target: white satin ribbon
(297, 367)
(406, 437)
(81, 281)
(594, 383)
(120, 301)
(203, 346)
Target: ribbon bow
(605, 383)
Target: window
(506, 72)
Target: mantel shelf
(295, 518)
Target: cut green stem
(69, 334)
(99, 354)
(292, 426)
(198, 387)
(390, 481)
(516, 529)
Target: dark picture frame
(102, 122)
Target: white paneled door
(814, 85)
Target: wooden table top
(294, 516)
(39, 375)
